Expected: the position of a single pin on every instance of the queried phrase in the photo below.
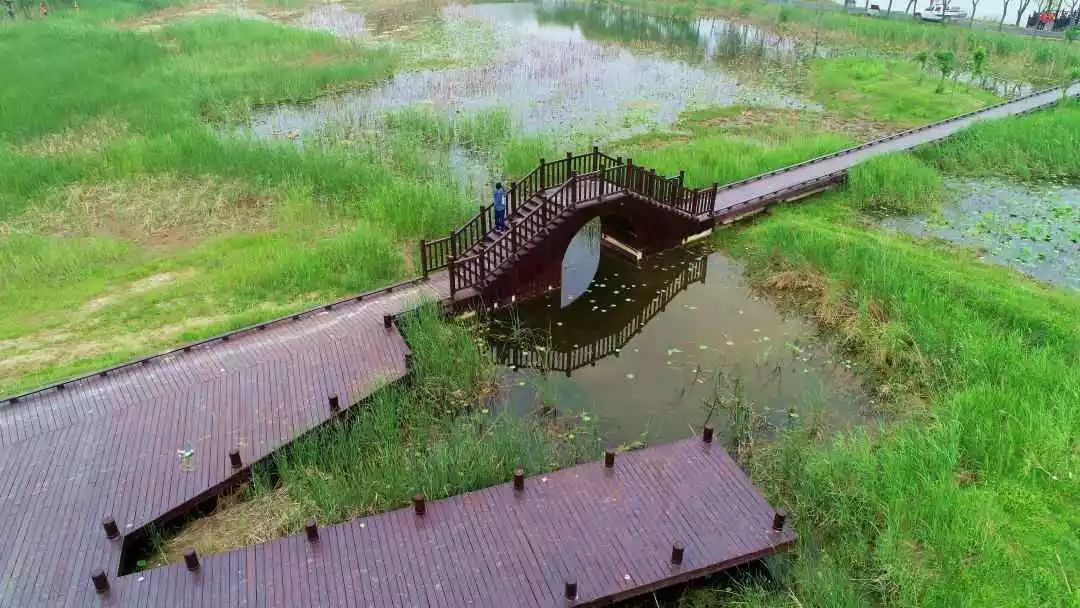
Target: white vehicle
(938, 12)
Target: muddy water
(1034, 228)
(561, 68)
(644, 347)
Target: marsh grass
(894, 184)
(933, 512)
(436, 435)
(1041, 146)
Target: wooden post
(419, 504)
(595, 158)
(450, 263)
(706, 434)
(423, 257)
(677, 551)
(682, 176)
(609, 459)
(542, 171)
(311, 529)
(335, 403)
(569, 165)
(483, 221)
(572, 183)
(519, 479)
(191, 560)
(234, 459)
(111, 529)
(778, 520)
(101, 582)
(571, 590)
(453, 245)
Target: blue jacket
(500, 200)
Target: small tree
(978, 62)
(1004, 12)
(946, 63)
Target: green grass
(970, 507)
(435, 436)
(894, 184)
(1041, 146)
(894, 91)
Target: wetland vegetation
(171, 170)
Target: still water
(644, 347)
(561, 67)
(1034, 228)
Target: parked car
(937, 11)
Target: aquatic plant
(946, 63)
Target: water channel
(645, 346)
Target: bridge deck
(107, 446)
(610, 530)
(733, 199)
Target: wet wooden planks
(732, 201)
(107, 446)
(609, 530)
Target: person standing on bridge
(500, 207)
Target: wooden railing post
(450, 270)
(595, 158)
(569, 166)
(481, 275)
(483, 222)
(453, 245)
(514, 238)
(423, 257)
(572, 184)
(543, 170)
(682, 176)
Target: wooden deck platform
(105, 446)
(609, 530)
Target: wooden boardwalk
(610, 531)
(542, 203)
(106, 446)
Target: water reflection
(555, 77)
(643, 346)
(580, 262)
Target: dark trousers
(500, 219)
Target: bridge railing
(436, 253)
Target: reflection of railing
(575, 358)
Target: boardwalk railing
(553, 359)
(476, 252)
(667, 191)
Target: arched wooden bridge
(549, 205)
(89, 464)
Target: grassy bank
(1017, 58)
(130, 219)
(965, 499)
(435, 435)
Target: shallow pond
(645, 346)
(560, 67)
(1034, 228)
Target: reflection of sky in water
(658, 381)
(580, 261)
(551, 76)
(1034, 228)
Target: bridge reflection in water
(587, 337)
